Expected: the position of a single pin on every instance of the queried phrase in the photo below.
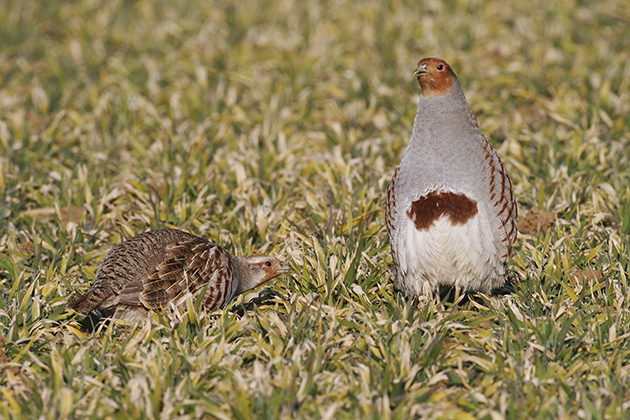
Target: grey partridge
(161, 268)
(451, 213)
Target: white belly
(447, 254)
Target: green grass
(274, 127)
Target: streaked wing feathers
(188, 267)
(501, 196)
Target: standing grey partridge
(164, 267)
(451, 213)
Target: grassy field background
(274, 126)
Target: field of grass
(274, 126)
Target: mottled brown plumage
(164, 267)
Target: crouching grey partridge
(164, 267)
(451, 213)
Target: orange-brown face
(435, 77)
(271, 267)
(256, 270)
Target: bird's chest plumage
(447, 248)
(445, 238)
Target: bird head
(257, 270)
(435, 77)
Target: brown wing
(127, 266)
(391, 214)
(190, 268)
(501, 197)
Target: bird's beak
(420, 70)
(283, 269)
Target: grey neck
(445, 137)
(242, 274)
(446, 114)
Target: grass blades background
(274, 126)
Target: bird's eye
(440, 67)
(268, 264)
